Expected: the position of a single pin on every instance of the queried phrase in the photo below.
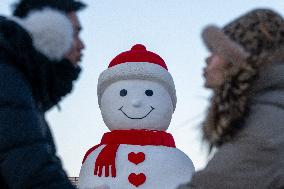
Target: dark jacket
(254, 158)
(29, 85)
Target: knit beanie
(140, 64)
(257, 32)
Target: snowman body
(137, 95)
(142, 167)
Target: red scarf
(112, 140)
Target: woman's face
(214, 71)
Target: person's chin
(80, 58)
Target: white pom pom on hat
(51, 31)
(138, 63)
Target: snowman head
(137, 91)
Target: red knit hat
(138, 63)
(138, 53)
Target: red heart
(137, 180)
(136, 158)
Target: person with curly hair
(245, 120)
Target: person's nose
(136, 103)
(81, 44)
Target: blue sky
(171, 28)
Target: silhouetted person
(34, 78)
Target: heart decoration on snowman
(137, 98)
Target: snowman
(137, 98)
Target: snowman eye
(149, 92)
(123, 92)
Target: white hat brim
(137, 70)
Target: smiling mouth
(152, 108)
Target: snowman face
(136, 104)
